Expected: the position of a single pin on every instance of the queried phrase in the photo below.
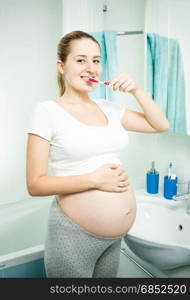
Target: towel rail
(129, 32)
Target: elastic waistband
(56, 203)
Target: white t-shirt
(77, 148)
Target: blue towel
(107, 41)
(165, 79)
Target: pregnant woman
(94, 204)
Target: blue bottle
(152, 180)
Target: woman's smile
(86, 80)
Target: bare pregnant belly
(107, 214)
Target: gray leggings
(71, 251)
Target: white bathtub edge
(21, 257)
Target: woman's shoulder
(44, 110)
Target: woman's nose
(90, 67)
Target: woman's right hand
(110, 178)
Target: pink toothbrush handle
(106, 82)
(98, 81)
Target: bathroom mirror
(170, 19)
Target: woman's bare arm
(152, 119)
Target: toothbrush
(169, 170)
(95, 80)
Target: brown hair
(63, 50)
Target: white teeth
(87, 76)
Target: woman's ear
(60, 67)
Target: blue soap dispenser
(152, 180)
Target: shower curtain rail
(129, 32)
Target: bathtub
(23, 226)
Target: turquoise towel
(107, 41)
(165, 79)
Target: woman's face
(84, 59)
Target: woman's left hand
(123, 83)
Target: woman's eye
(81, 60)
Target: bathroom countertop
(142, 195)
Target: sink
(160, 236)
